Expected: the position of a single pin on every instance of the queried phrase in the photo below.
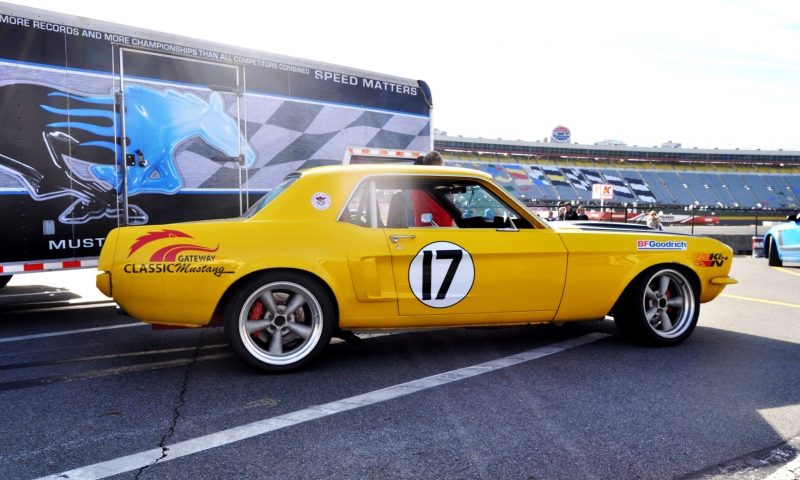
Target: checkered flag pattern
(640, 189)
(577, 179)
(620, 189)
(289, 135)
(593, 176)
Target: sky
(706, 74)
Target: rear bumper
(103, 282)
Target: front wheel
(659, 307)
(279, 321)
(773, 258)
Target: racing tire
(4, 279)
(279, 321)
(773, 258)
(660, 307)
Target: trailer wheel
(279, 321)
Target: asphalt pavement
(84, 390)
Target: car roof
(394, 169)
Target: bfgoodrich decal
(661, 245)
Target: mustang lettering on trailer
(338, 248)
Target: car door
(789, 241)
(492, 265)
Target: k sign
(602, 191)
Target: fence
(738, 227)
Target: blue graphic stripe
(98, 100)
(102, 144)
(98, 130)
(205, 88)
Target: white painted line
(207, 442)
(69, 332)
(790, 471)
(79, 304)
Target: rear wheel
(279, 321)
(773, 258)
(659, 307)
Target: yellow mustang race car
(396, 246)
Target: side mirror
(426, 218)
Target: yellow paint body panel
(602, 264)
(177, 274)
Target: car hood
(590, 225)
(783, 226)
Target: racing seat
(398, 211)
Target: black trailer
(104, 125)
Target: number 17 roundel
(441, 274)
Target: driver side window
(428, 202)
(480, 208)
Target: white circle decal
(321, 201)
(441, 274)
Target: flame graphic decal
(153, 236)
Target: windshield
(272, 194)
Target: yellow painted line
(751, 218)
(786, 270)
(761, 300)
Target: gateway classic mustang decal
(172, 258)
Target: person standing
(654, 222)
(582, 213)
(422, 202)
(431, 158)
(569, 213)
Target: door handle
(397, 238)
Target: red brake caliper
(256, 313)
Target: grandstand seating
(679, 188)
(700, 189)
(659, 187)
(640, 187)
(738, 188)
(548, 181)
(714, 183)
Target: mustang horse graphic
(78, 129)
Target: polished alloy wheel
(669, 303)
(280, 323)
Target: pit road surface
(90, 393)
